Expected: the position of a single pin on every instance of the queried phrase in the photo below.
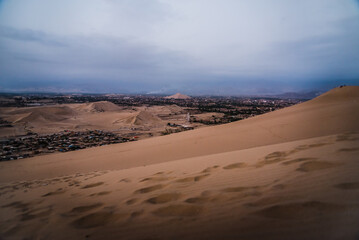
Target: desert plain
(287, 174)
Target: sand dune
(102, 106)
(143, 118)
(51, 114)
(245, 194)
(288, 174)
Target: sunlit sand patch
(179, 210)
(315, 166)
(164, 198)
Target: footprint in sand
(315, 166)
(57, 192)
(348, 185)
(297, 160)
(131, 201)
(97, 219)
(198, 200)
(348, 149)
(273, 157)
(210, 169)
(180, 210)
(347, 137)
(240, 189)
(92, 185)
(18, 205)
(235, 165)
(206, 196)
(137, 213)
(303, 210)
(126, 180)
(192, 179)
(155, 179)
(164, 198)
(150, 189)
(85, 208)
(100, 193)
(36, 213)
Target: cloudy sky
(192, 46)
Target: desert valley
(289, 173)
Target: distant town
(193, 112)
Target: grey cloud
(29, 35)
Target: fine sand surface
(289, 174)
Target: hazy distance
(193, 47)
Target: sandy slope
(315, 118)
(289, 174)
(307, 189)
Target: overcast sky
(192, 46)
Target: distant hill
(297, 95)
(178, 96)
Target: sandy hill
(102, 106)
(178, 96)
(143, 118)
(288, 174)
(51, 114)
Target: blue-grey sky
(192, 46)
